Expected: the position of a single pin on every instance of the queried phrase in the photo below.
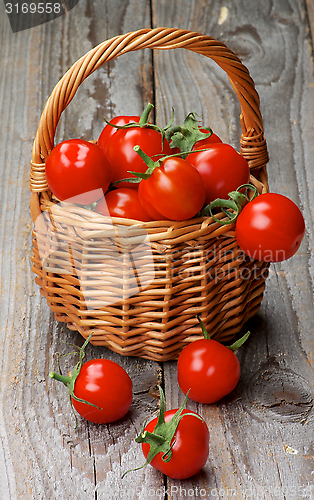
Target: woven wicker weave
(138, 286)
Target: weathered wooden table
(261, 435)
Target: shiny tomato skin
(105, 384)
(124, 159)
(108, 130)
(191, 448)
(146, 202)
(270, 228)
(123, 202)
(222, 168)
(212, 139)
(175, 190)
(209, 369)
(78, 171)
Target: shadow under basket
(139, 286)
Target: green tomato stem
(204, 330)
(235, 346)
(151, 438)
(145, 114)
(61, 378)
(151, 165)
(235, 203)
(149, 162)
(184, 137)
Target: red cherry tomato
(222, 169)
(270, 228)
(78, 170)
(209, 369)
(175, 190)
(124, 159)
(190, 450)
(108, 130)
(123, 202)
(105, 384)
(212, 139)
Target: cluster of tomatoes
(141, 172)
(177, 441)
(151, 179)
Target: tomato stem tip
(145, 114)
(204, 330)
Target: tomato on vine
(176, 442)
(100, 390)
(113, 126)
(171, 188)
(79, 171)
(122, 202)
(120, 147)
(207, 370)
(221, 167)
(270, 228)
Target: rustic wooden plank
(42, 456)
(310, 13)
(262, 434)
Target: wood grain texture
(262, 434)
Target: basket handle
(253, 144)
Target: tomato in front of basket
(221, 167)
(208, 370)
(190, 446)
(171, 189)
(270, 228)
(100, 389)
(106, 385)
(122, 202)
(176, 442)
(78, 171)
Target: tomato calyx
(231, 207)
(69, 380)
(160, 440)
(151, 165)
(185, 136)
(233, 347)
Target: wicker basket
(138, 286)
